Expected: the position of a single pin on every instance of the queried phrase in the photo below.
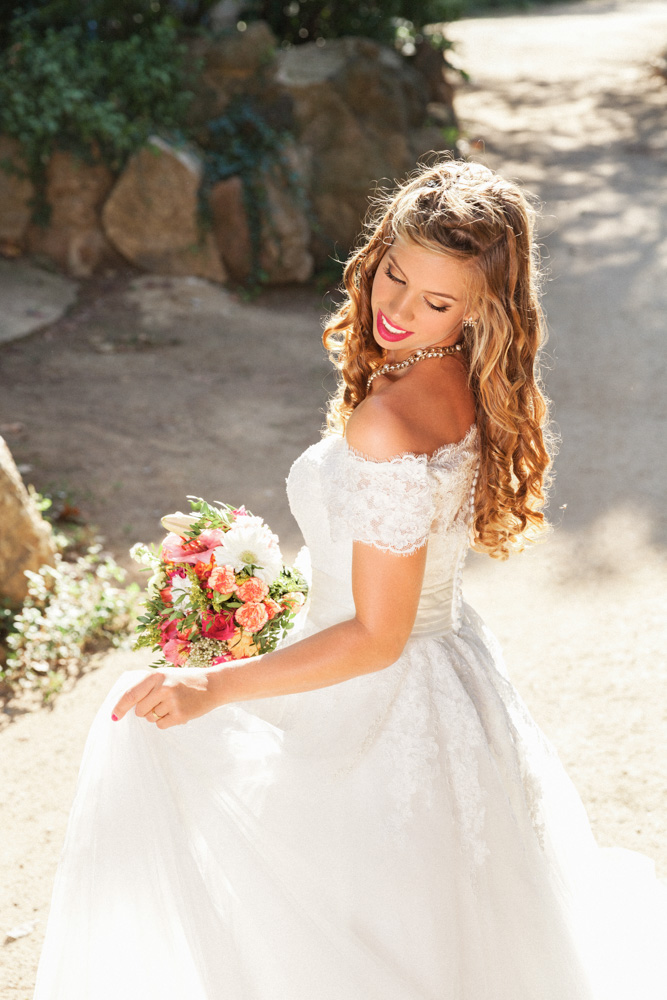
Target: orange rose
(252, 616)
(241, 646)
(253, 590)
(223, 579)
(203, 570)
(272, 608)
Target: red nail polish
(115, 718)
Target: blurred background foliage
(293, 21)
(385, 21)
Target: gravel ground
(119, 407)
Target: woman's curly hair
(466, 211)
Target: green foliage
(107, 19)
(472, 7)
(307, 20)
(71, 609)
(217, 515)
(63, 89)
(241, 142)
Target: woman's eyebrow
(440, 295)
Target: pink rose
(252, 616)
(223, 579)
(272, 608)
(253, 590)
(200, 549)
(220, 626)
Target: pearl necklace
(432, 352)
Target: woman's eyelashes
(392, 276)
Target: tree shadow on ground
(604, 237)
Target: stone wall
(358, 114)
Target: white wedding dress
(405, 835)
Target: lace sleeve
(386, 504)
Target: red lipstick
(387, 334)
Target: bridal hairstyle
(465, 211)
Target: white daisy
(250, 544)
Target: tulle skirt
(406, 835)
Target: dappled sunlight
(572, 110)
(569, 106)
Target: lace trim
(465, 444)
(393, 504)
(388, 504)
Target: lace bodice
(339, 496)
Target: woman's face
(418, 299)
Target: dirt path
(142, 396)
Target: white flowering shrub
(71, 609)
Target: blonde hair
(467, 212)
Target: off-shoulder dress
(405, 835)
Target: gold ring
(153, 712)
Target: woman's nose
(401, 307)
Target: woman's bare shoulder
(417, 413)
(378, 430)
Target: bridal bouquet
(219, 589)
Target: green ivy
(99, 99)
(241, 142)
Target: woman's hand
(168, 697)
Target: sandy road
(562, 101)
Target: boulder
(16, 192)
(26, 542)
(379, 86)
(285, 232)
(285, 238)
(74, 238)
(151, 216)
(225, 14)
(230, 227)
(237, 63)
(355, 103)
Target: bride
(369, 812)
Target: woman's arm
(386, 587)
